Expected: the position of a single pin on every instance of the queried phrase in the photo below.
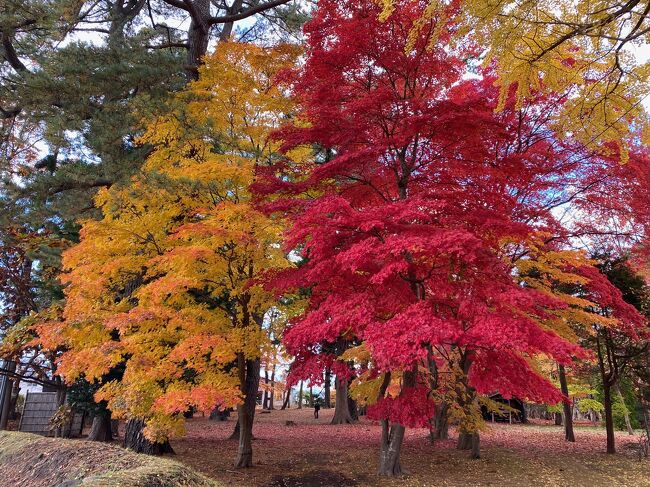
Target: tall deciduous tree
(408, 239)
(174, 261)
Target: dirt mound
(27, 459)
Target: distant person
(316, 409)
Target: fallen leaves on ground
(313, 453)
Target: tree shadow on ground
(321, 478)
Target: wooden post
(20, 422)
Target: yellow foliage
(581, 52)
(364, 390)
(166, 280)
(358, 354)
(555, 273)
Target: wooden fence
(37, 411)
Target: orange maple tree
(165, 283)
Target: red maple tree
(411, 222)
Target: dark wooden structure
(517, 416)
(37, 411)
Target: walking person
(316, 408)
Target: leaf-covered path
(313, 453)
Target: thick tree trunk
(135, 440)
(568, 412)
(246, 411)
(311, 396)
(198, 37)
(470, 441)
(440, 423)
(328, 385)
(352, 407)
(626, 413)
(464, 441)
(115, 428)
(102, 428)
(609, 419)
(476, 446)
(391, 447)
(392, 436)
(235, 433)
(341, 407)
(245, 450)
(15, 392)
(300, 396)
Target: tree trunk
(464, 441)
(311, 396)
(102, 428)
(470, 441)
(626, 413)
(568, 412)
(235, 433)
(300, 396)
(249, 384)
(60, 402)
(341, 407)
(440, 423)
(115, 428)
(391, 447)
(265, 395)
(287, 400)
(327, 404)
(558, 419)
(476, 446)
(226, 29)
(15, 392)
(198, 37)
(392, 436)
(609, 419)
(272, 392)
(609, 378)
(135, 440)
(352, 407)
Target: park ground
(313, 453)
